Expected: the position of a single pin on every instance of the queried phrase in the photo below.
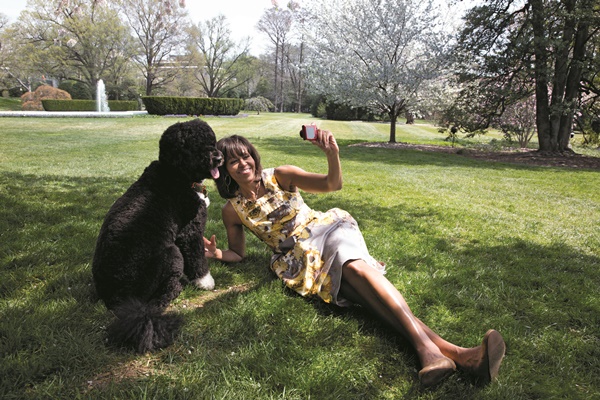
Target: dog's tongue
(215, 173)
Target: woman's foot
(486, 363)
(436, 372)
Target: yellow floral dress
(310, 247)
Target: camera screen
(311, 132)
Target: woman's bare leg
(364, 285)
(482, 361)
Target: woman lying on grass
(324, 254)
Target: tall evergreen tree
(510, 49)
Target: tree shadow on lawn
(541, 298)
(51, 316)
(391, 156)
(50, 223)
(50, 319)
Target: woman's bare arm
(235, 237)
(290, 176)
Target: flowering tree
(258, 104)
(375, 53)
(518, 121)
(77, 39)
(159, 29)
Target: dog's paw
(206, 283)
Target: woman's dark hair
(234, 146)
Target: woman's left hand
(326, 141)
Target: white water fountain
(101, 100)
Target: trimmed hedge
(89, 105)
(162, 105)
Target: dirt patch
(521, 156)
(140, 367)
(198, 302)
(150, 363)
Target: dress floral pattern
(310, 247)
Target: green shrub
(321, 110)
(16, 91)
(344, 112)
(123, 105)
(77, 90)
(158, 105)
(88, 105)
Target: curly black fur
(152, 237)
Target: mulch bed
(521, 156)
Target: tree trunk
(554, 121)
(276, 81)
(148, 87)
(299, 89)
(573, 79)
(542, 109)
(281, 74)
(393, 118)
(561, 71)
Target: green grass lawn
(471, 244)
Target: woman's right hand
(211, 251)
(210, 247)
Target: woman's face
(241, 167)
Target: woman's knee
(354, 269)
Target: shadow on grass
(395, 157)
(542, 298)
(51, 322)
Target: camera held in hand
(309, 132)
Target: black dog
(153, 235)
